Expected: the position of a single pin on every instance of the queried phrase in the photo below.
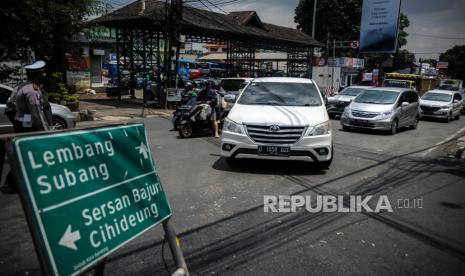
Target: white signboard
(379, 26)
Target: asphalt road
(218, 210)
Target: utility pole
(314, 17)
(173, 30)
(334, 61)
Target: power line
(214, 5)
(435, 36)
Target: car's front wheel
(58, 123)
(394, 126)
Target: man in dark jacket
(208, 96)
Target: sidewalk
(114, 110)
(457, 149)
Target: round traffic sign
(354, 44)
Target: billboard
(379, 26)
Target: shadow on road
(272, 167)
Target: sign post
(87, 193)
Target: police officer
(30, 101)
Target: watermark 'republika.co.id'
(341, 204)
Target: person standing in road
(30, 114)
(28, 110)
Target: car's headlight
(346, 112)
(445, 107)
(231, 126)
(385, 115)
(321, 129)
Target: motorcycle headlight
(385, 115)
(321, 129)
(231, 126)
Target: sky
(435, 25)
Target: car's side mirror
(404, 104)
(230, 98)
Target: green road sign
(90, 191)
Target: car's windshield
(352, 91)
(396, 83)
(281, 93)
(437, 97)
(377, 97)
(232, 85)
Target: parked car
(278, 119)
(383, 108)
(462, 93)
(338, 103)
(62, 116)
(441, 104)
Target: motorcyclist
(208, 96)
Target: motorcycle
(183, 110)
(192, 124)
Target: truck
(420, 83)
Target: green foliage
(61, 91)
(43, 26)
(456, 58)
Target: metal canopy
(140, 34)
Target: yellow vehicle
(412, 81)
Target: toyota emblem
(274, 128)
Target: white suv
(279, 119)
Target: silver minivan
(383, 108)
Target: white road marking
(443, 141)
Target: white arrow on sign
(143, 150)
(69, 239)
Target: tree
(456, 58)
(43, 26)
(342, 20)
(339, 18)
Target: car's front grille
(269, 135)
(429, 108)
(364, 114)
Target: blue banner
(379, 26)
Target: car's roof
(6, 87)
(245, 79)
(283, 79)
(359, 86)
(448, 92)
(394, 89)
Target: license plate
(274, 150)
(361, 122)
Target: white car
(441, 104)
(278, 119)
